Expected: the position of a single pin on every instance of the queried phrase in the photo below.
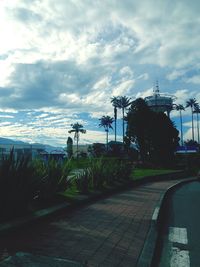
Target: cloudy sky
(61, 62)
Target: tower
(160, 102)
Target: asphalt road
(181, 234)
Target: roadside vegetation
(27, 185)
(138, 173)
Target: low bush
(24, 183)
(53, 177)
(103, 172)
(83, 181)
(18, 185)
(123, 170)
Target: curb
(82, 200)
(149, 254)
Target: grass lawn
(140, 173)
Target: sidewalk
(110, 232)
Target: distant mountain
(7, 141)
(48, 148)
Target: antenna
(156, 89)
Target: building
(160, 102)
(82, 149)
(33, 150)
(58, 155)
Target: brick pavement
(110, 232)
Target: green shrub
(18, 185)
(123, 170)
(53, 176)
(22, 181)
(106, 171)
(98, 173)
(83, 180)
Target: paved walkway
(110, 232)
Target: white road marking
(179, 258)
(178, 235)
(155, 214)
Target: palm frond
(191, 102)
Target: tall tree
(138, 120)
(77, 129)
(115, 103)
(123, 103)
(106, 122)
(180, 108)
(154, 133)
(69, 147)
(197, 111)
(191, 103)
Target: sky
(62, 61)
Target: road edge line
(149, 254)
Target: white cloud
(144, 76)
(102, 84)
(71, 57)
(6, 116)
(123, 88)
(194, 79)
(175, 74)
(144, 94)
(126, 71)
(183, 95)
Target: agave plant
(18, 185)
(53, 176)
(83, 180)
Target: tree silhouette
(138, 125)
(123, 103)
(115, 103)
(153, 132)
(106, 122)
(191, 103)
(180, 108)
(69, 147)
(77, 129)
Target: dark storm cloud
(39, 85)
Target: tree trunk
(192, 125)
(107, 140)
(198, 127)
(115, 115)
(77, 146)
(181, 128)
(123, 123)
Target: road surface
(181, 235)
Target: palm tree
(197, 111)
(106, 122)
(191, 103)
(123, 103)
(180, 108)
(115, 103)
(77, 129)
